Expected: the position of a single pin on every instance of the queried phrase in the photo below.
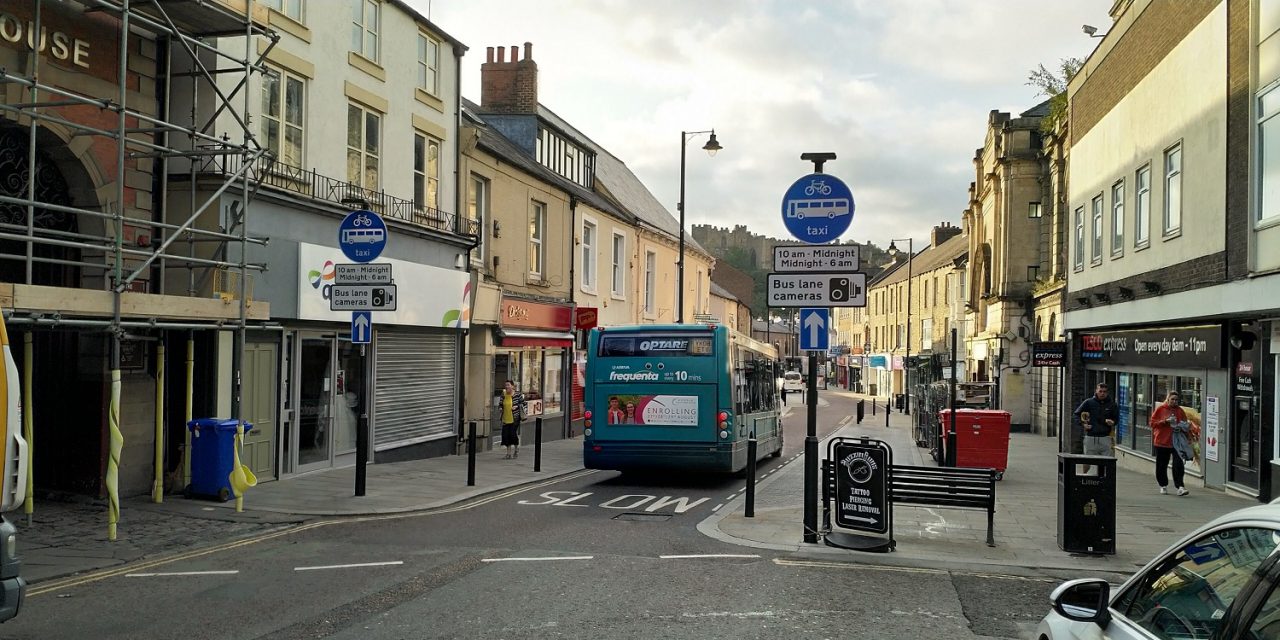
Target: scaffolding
(191, 36)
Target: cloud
(899, 90)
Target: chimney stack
(509, 86)
(943, 233)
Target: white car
(1218, 582)
(793, 381)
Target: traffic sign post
(814, 335)
(361, 288)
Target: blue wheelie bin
(213, 442)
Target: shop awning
(532, 338)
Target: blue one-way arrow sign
(813, 329)
(361, 326)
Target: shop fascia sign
(527, 314)
(1180, 346)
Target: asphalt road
(593, 555)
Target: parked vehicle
(1218, 582)
(793, 381)
(13, 489)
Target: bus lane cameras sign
(817, 290)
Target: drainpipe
(463, 342)
(566, 364)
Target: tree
(1053, 84)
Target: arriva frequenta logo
(638, 376)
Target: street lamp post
(711, 147)
(906, 366)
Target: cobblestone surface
(71, 537)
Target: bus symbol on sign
(362, 236)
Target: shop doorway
(331, 392)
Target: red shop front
(534, 343)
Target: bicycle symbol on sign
(363, 220)
(817, 186)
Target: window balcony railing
(267, 172)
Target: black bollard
(751, 478)
(886, 414)
(537, 444)
(471, 454)
(861, 410)
(873, 406)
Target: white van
(792, 381)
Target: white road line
(351, 566)
(710, 555)
(537, 559)
(181, 573)
(717, 507)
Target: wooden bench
(946, 487)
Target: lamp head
(712, 145)
(1089, 29)
(893, 250)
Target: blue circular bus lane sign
(817, 208)
(362, 236)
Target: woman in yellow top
(513, 408)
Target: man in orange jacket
(1162, 420)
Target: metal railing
(267, 172)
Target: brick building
(1172, 241)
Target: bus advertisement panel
(665, 410)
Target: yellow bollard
(186, 452)
(28, 416)
(157, 488)
(113, 462)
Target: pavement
(65, 538)
(1025, 520)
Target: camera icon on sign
(840, 289)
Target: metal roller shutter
(415, 387)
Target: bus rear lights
(587, 432)
(724, 435)
(724, 416)
(587, 423)
(597, 448)
(587, 414)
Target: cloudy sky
(899, 90)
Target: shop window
(531, 380)
(552, 381)
(1142, 407)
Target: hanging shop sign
(1188, 347)
(1048, 354)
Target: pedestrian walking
(1097, 417)
(784, 395)
(1167, 418)
(513, 410)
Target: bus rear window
(636, 346)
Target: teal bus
(679, 396)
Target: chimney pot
(515, 53)
(489, 54)
(502, 55)
(528, 51)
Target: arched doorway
(50, 265)
(66, 360)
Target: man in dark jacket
(1097, 417)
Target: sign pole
(811, 455)
(362, 439)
